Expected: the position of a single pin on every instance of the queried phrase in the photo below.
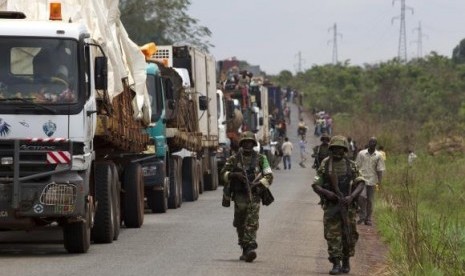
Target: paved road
(197, 239)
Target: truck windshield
(41, 70)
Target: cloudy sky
(272, 33)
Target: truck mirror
(101, 73)
(203, 103)
(260, 121)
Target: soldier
(321, 151)
(247, 176)
(338, 182)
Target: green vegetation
(419, 209)
(164, 22)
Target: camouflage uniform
(349, 178)
(246, 211)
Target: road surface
(197, 239)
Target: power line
(402, 50)
(334, 42)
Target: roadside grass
(419, 210)
(420, 215)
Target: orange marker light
(55, 11)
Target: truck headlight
(7, 160)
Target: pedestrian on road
(338, 182)
(303, 152)
(371, 164)
(247, 175)
(287, 148)
(321, 151)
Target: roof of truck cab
(24, 27)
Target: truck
(247, 104)
(74, 110)
(181, 84)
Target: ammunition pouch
(267, 197)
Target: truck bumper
(50, 200)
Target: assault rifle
(343, 208)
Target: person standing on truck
(247, 176)
(339, 183)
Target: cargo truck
(73, 113)
(182, 88)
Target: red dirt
(370, 253)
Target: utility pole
(334, 42)
(402, 51)
(419, 40)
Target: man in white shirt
(371, 165)
(287, 148)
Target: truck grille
(32, 154)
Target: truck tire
(190, 181)
(179, 181)
(134, 196)
(157, 201)
(199, 173)
(175, 196)
(211, 175)
(76, 235)
(116, 194)
(103, 230)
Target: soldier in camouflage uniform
(321, 151)
(339, 182)
(246, 176)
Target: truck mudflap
(36, 181)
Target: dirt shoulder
(370, 253)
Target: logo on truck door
(4, 128)
(49, 128)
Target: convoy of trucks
(94, 128)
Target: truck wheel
(134, 196)
(174, 196)
(157, 201)
(77, 235)
(211, 179)
(179, 182)
(116, 194)
(189, 185)
(199, 173)
(103, 230)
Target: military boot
(250, 255)
(336, 267)
(242, 257)
(345, 265)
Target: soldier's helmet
(325, 136)
(248, 136)
(339, 141)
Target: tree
(163, 22)
(458, 54)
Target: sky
(275, 33)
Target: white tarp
(102, 18)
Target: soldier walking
(247, 176)
(321, 151)
(338, 182)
